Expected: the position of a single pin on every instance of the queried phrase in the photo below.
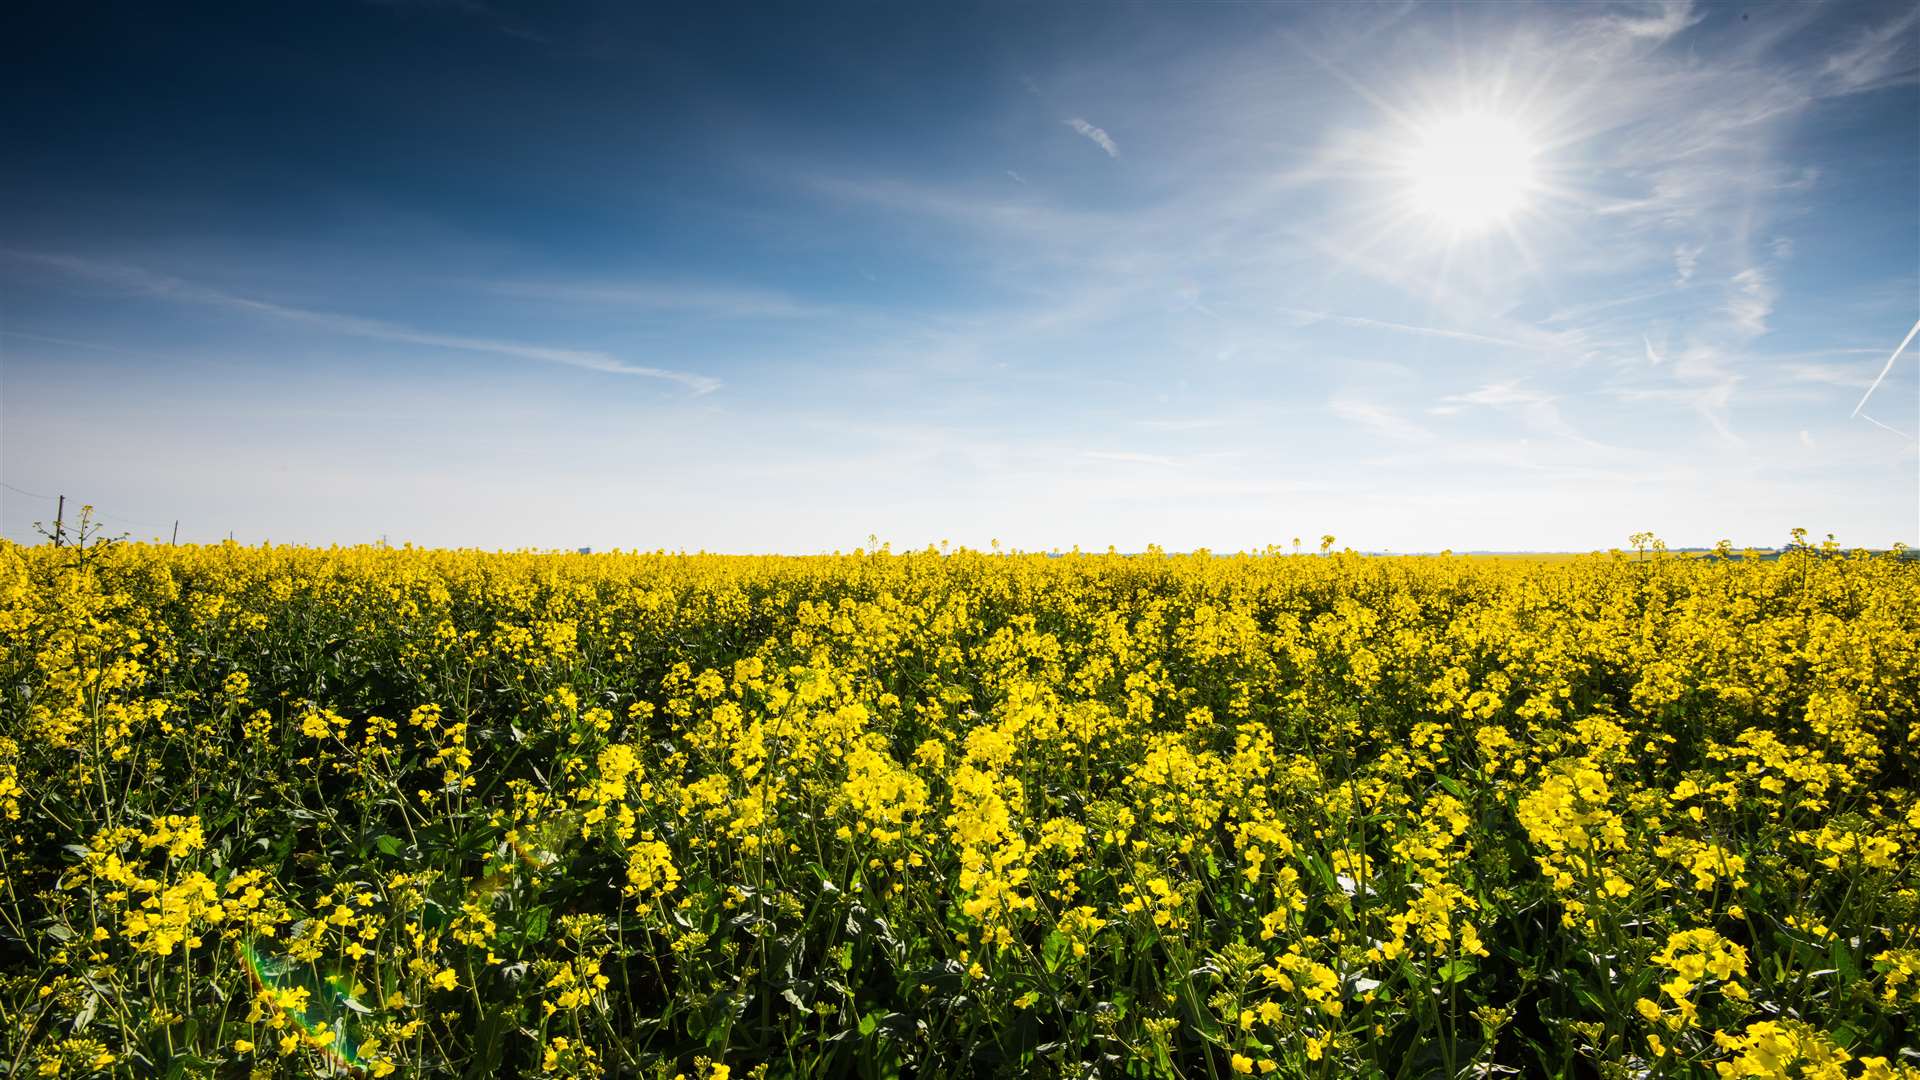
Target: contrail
(1904, 342)
(1888, 427)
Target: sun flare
(1471, 170)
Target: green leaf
(535, 928)
(1322, 871)
(389, 846)
(1054, 950)
(1842, 958)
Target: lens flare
(331, 1006)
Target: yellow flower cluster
(366, 811)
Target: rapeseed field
(285, 811)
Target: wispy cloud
(1378, 419)
(72, 343)
(1876, 56)
(1705, 188)
(1176, 424)
(1651, 262)
(1099, 136)
(1656, 22)
(140, 280)
(1826, 375)
(1362, 322)
(1538, 410)
(475, 9)
(1499, 395)
(1709, 392)
(659, 296)
(1686, 257)
(1129, 456)
(465, 7)
(1751, 301)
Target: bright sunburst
(1471, 170)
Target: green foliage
(391, 812)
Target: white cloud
(1752, 301)
(1498, 395)
(171, 288)
(1171, 424)
(1659, 21)
(1538, 410)
(1876, 56)
(1703, 385)
(1826, 376)
(720, 301)
(1686, 257)
(1378, 419)
(1099, 137)
(1128, 456)
(1295, 229)
(1308, 317)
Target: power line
(121, 518)
(24, 491)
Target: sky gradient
(467, 274)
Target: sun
(1471, 171)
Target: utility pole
(176, 534)
(59, 515)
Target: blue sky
(1053, 275)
